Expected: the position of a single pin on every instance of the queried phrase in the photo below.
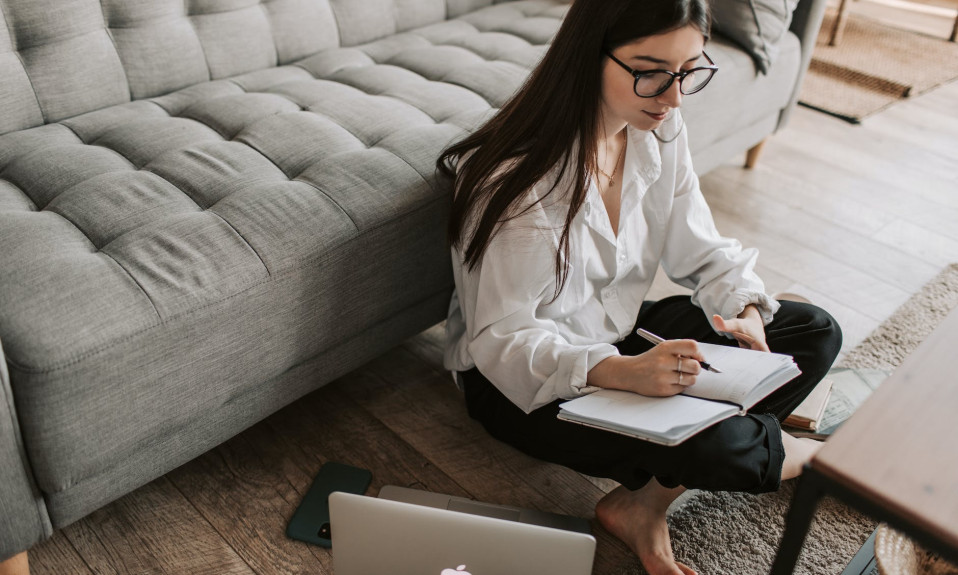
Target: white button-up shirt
(503, 320)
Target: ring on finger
(680, 378)
(678, 365)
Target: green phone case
(310, 522)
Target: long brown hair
(555, 112)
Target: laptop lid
(461, 504)
(373, 536)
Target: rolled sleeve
(743, 298)
(506, 334)
(533, 367)
(521, 352)
(718, 270)
(571, 375)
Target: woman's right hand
(666, 369)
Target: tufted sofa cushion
(164, 257)
(62, 58)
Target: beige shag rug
(738, 534)
(894, 339)
(873, 67)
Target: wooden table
(896, 459)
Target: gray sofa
(209, 209)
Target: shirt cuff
(743, 298)
(590, 359)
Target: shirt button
(621, 258)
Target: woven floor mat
(873, 67)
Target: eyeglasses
(651, 83)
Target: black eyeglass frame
(680, 75)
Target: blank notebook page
(627, 409)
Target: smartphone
(310, 522)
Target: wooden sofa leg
(751, 157)
(16, 565)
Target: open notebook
(747, 377)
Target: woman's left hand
(748, 328)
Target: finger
(680, 383)
(683, 347)
(735, 328)
(749, 342)
(688, 365)
(722, 324)
(680, 377)
(742, 336)
(734, 325)
(671, 386)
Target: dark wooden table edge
(812, 487)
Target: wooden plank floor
(857, 218)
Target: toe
(662, 566)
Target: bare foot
(638, 519)
(798, 452)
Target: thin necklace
(614, 168)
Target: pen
(657, 340)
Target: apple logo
(461, 570)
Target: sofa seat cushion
(743, 95)
(166, 255)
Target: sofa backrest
(61, 58)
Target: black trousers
(743, 453)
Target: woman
(566, 203)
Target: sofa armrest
(23, 514)
(806, 22)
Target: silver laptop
(411, 532)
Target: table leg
(800, 514)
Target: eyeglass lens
(657, 82)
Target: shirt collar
(642, 166)
(643, 162)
